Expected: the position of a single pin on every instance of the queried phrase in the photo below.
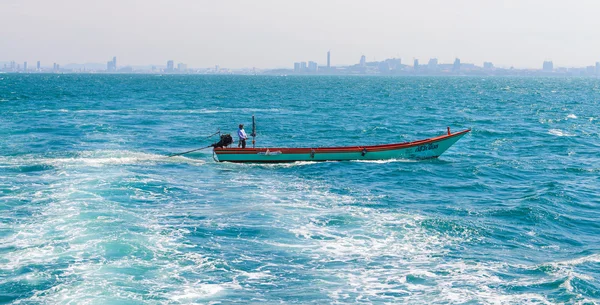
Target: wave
(560, 133)
(592, 258)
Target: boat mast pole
(253, 132)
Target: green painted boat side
(423, 149)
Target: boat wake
(372, 254)
(386, 161)
(96, 158)
(306, 163)
(95, 233)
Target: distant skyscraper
(297, 67)
(416, 64)
(590, 70)
(548, 66)
(432, 64)
(55, 67)
(363, 61)
(303, 66)
(488, 65)
(456, 65)
(110, 67)
(25, 67)
(38, 66)
(384, 67)
(170, 66)
(328, 59)
(312, 66)
(181, 67)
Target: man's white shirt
(242, 134)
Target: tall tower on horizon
(38, 66)
(363, 61)
(456, 65)
(328, 59)
(111, 65)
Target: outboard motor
(225, 140)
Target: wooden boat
(422, 149)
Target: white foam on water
(277, 165)
(358, 253)
(560, 133)
(386, 161)
(97, 251)
(305, 163)
(196, 292)
(98, 159)
(386, 256)
(593, 258)
(571, 116)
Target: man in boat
(242, 135)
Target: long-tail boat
(422, 149)
(416, 150)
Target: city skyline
(270, 34)
(325, 61)
(111, 65)
(388, 66)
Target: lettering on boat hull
(426, 147)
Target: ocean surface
(92, 211)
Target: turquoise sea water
(91, 211)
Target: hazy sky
(275, 33)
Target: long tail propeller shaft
(189, 151)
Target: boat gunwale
(339, 149)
